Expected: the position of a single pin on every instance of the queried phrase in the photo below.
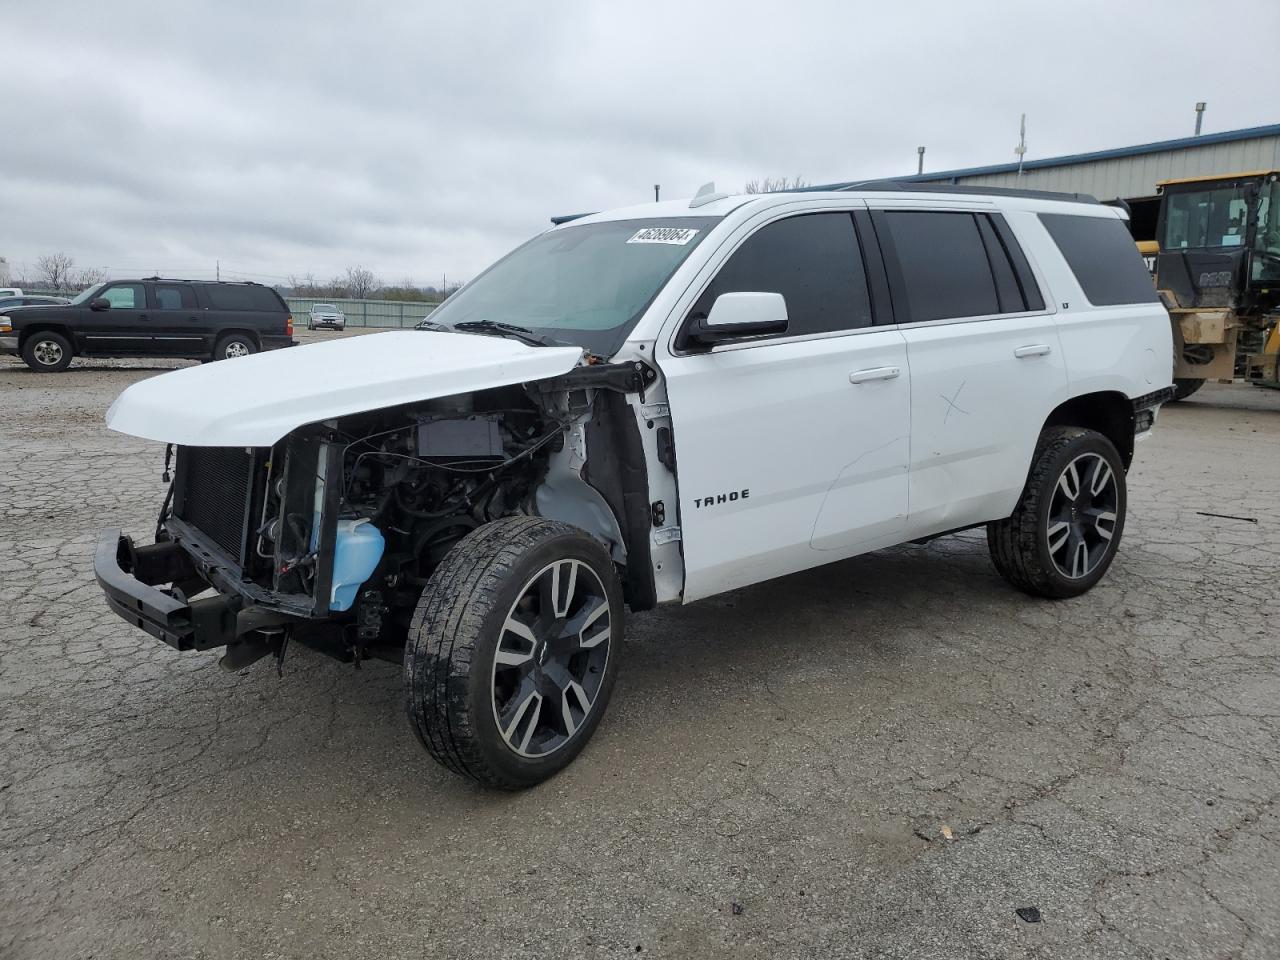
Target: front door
(791, 451)
(124, 328)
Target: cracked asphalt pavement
(777, 775)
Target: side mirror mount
(741, 314)
(99, 303)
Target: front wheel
(513, 650)
(1063, 534)
(47, 352)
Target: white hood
(254, 401)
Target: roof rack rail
(250, 283)
(901, 186)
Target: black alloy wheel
(551, 658)
(1082, 516)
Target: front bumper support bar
(129, 574)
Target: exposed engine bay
(343, 521)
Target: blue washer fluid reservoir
(356, 552)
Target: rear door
(986, 362)
(177, 321)
(791, 451)
(125, 328)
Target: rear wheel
(234, 345)
(47, 352)
(1063, 534)
(512, 651)
(1184, 387)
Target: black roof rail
(556, 221)
(245, 283)
(900, 186)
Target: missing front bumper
(130, 575)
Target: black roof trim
(225, 283)
(556, 221)
(899, 186)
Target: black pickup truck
(194, 319)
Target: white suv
(651, 405)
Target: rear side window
(945, 272)
(175, 297)
(813, 261)
(223, 297)
(1104, 258)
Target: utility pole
(217, 269)
(919, 160)
(1200, 105)
(1021, 148)
(657, 188)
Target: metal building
(1125, 173)
(1129, 172)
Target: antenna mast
(1021, 148)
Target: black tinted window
(175, 297)
(1104, 258)
(225, 297)
(813, 261)
(1007, 292)
(944, 265)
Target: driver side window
(125, 296)
(813, 260)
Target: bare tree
(360, 283)
(774, 184)
(53, 271)
(86, 278)
(306, 286)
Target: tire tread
(450, 614)
(1012, 541)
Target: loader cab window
(1199, 219)
(1268, 238)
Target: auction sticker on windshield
(677, 235)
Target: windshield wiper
(523, 334)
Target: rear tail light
(288, 325)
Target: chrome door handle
(874, 373)
(1034, 350)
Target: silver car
(326, 315)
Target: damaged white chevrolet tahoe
(652, 405)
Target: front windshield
(84, 296)
(585, 284)
(323, 306)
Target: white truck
(651, 405)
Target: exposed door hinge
(666, 534)
(652, 411)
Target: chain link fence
(365, 313)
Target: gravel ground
(881, 758)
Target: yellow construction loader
(1216, 261)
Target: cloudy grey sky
(421, 138)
